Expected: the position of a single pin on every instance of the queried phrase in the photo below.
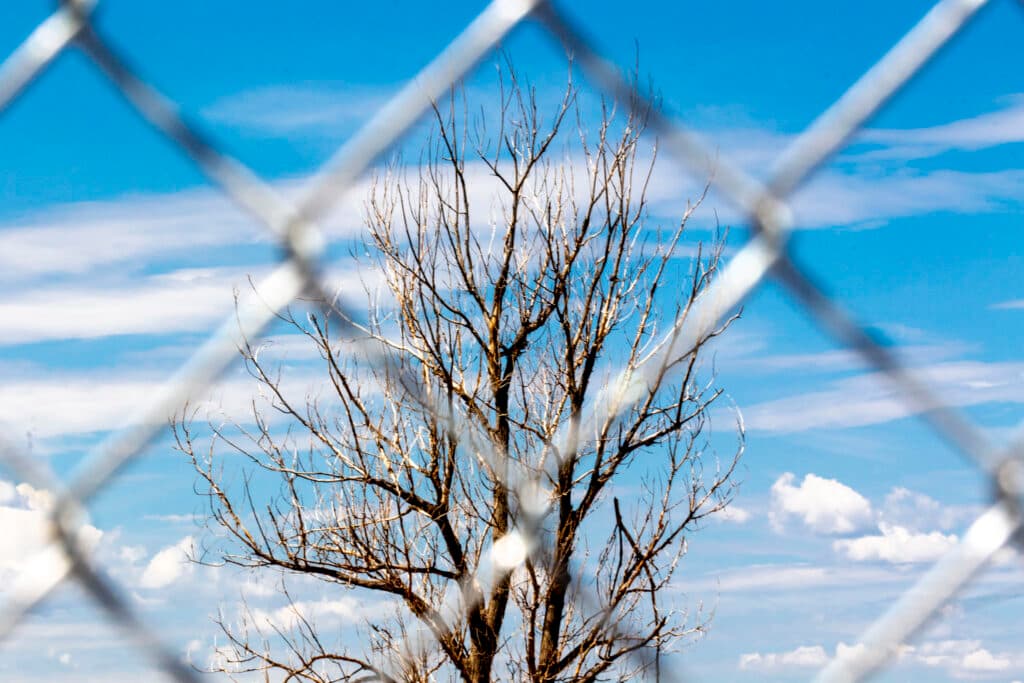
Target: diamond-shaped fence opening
(293, 224)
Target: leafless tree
(506, 314)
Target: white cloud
(788, 577)
(871, 398)
(960, 658)
(80, 238)
(25, 529)
(836, 199)
(173, 302)
(906, 521)
(7, 492)
(54, 405)
(169, 565)
(322, 613)
(299, 110)
(172, 519)
(917, 512)
(751, 353)
(735, 514)
(801, 657)
(862, 192)
(824, 506)
(29, 559)
(96, 239)
(897, 545)
(122, 235)
(259, 585)
(844, 651)
(810, 656)
(983, 660)
(1013, 304)
(61, 657)
(89, 237)
(1002, 126)
(131, 554)
(864, 196)
(760, 577)
(181, 301)
(964, 658)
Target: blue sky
(116, 256)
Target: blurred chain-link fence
(294, 224)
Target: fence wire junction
(294, 224)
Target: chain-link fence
(765, 256)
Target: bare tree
(508, 310)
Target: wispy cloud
(54, 405)
(868, 198)
(1004, 125)
(873, 186)
(78, 239)
(82, 238)
(1012, 305)
(786, 577)
(300, 110)
(751, 352)
(870, 398)
(128, 234)
(180, 301)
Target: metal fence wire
(766, 255)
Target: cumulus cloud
(806, 656)
(169, 565)
(964, 658)
(983, 660)
(63, 658)
(897, 545)
(29, 560)
(23, 518)
(960, 658)
(906, 521)
(825, 506)
(801, 657)
(918, 512)
(131, 554)
(735, 514)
